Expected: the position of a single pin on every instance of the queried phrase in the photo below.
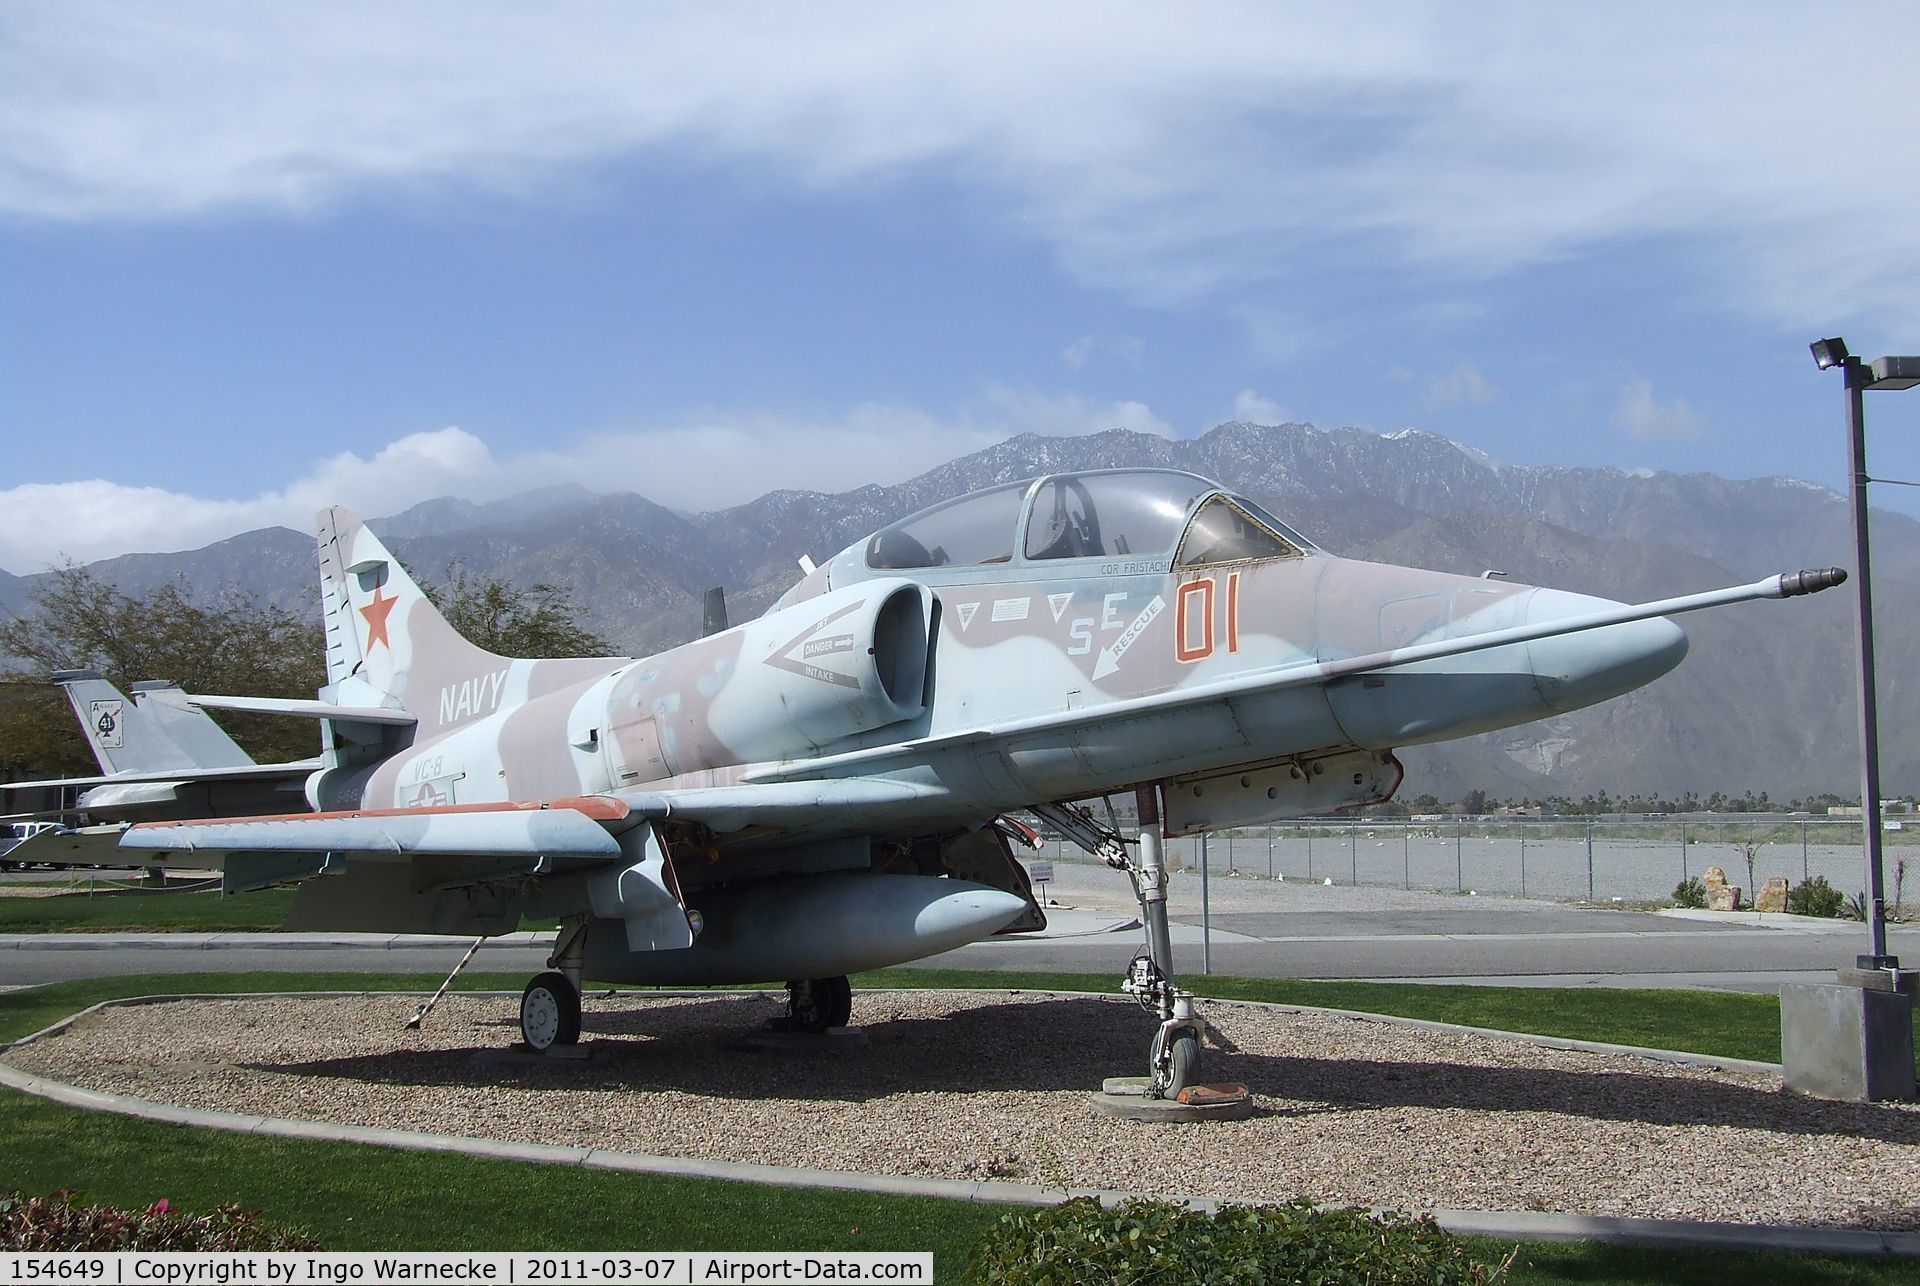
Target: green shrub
(1159, 1243)
(1815, 897)
(1690, 892)
(59, 1221)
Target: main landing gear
(550, 1012)
(816, 1005)
(550, 1006)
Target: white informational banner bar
(505, 1268)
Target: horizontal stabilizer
(304, 709)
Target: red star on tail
(376, 614)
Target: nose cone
(1575, 670)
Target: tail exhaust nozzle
(1794, 584)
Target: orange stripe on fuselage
(599, 807)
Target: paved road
(1300, 930)
(1259, 929)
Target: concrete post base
(1852, 1040)
(1126, 1097)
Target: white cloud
(44, 523)
(1255, 409)
(1464, 383)
(1647, 419)
(1128, 348)
(1168, 158)
(1011, 411)
(712, 461)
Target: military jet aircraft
(161, 756)
(816, 792)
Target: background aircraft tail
(155, 731)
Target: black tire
(833, 1001)
(550, 1012)
(1184, 1067)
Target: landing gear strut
(550, 1006)
(1173, 1057)
(816, 1004)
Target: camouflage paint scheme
(798, 796)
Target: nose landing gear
(1171, 1090)
(819, 1011)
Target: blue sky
(258, 258)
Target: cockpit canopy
(1153, 515)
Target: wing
(73, 846)
(574, 828)
(582, 827)
(453, 869)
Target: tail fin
(713, 612)
(387, 644)
(157, 731)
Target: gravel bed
(993, 1085)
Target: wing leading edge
(584, 828)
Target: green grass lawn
(133, 910)
(1727, 1024)
(354, 1196)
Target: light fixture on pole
(1829, 353)
(1885, 373)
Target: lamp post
(1882, 373)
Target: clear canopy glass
(1224, 532)
(1102, 513)
(976, 528)
(1120, 514)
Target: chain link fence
(1568, 858)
